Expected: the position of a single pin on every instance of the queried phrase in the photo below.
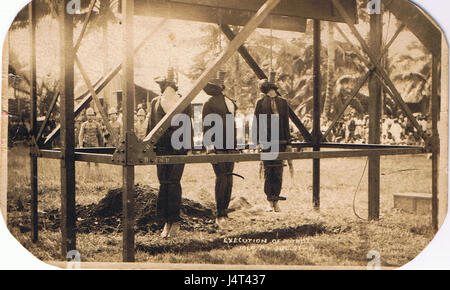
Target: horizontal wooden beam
(243, 157)
(184, 159)
(365, 146)
(286, 16)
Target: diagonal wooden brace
(47, 117)
(261, 75)
(96, 100)
(355, 92)
(244, 53)
(363, 79)
(85, 24)
(102, 84)
(380, 72)
(210, 72)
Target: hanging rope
(219, 35)
(218, 46)
(388, 27)
(271, 44)
(356, 191)
(171, 37)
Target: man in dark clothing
(222, 106)
(169, 175)
(270, 103)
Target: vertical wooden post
(436, 142)
(68, 213)
(376, 33)
(33, 129)
(128, 127)
(316, 113)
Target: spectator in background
(351, 128)
(116, 126)
(423, 123)
(141, 125)
(390, 139)
(366, 129)
(411, 139)
(90, 133)
(396, 131)
(307, 122)
(384, 139)
(339, 132)
(359, 132)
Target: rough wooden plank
(418, 203)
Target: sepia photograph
(224, 134)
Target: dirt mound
(192, 212)
(106, 215)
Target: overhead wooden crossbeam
(417, 22)
(151, 139)
(210, 14)
(102, 83)
(380, 71)
(261, 75)
(289, 15)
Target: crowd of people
(354, 128)
(91, 131)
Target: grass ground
(298, 235)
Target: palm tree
(330, 68)
(102, 15)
